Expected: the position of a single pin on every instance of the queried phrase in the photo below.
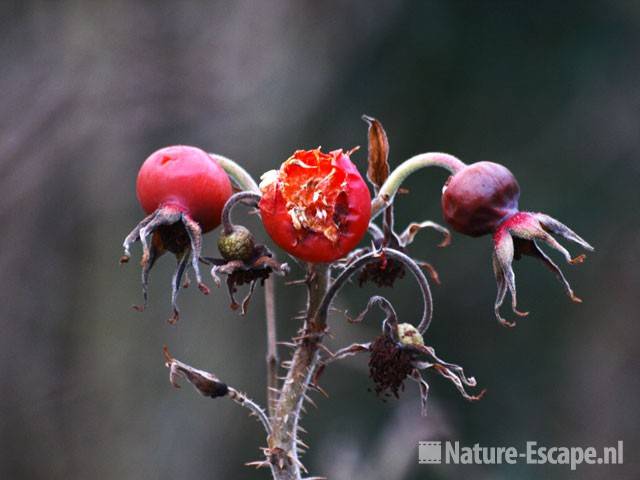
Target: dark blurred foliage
(88, 89)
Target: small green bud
(238, 245)
(409, 335)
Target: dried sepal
(257, 268)
(385, 272)
(176, 283)
(345, 352)
(457, 370)
(505, 276)
(134, 236)
(531, 248)
(168, 229)
(519, 235)
(414, 228)
(378, 153)
(391, 317)
(348, 351)
(195, 237)
(554, 226)
(424, 390)
(163, 217)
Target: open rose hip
(316, 206)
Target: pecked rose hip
(316, 206)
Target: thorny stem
(243, 400)
(305, 359)
(246, 183)
(391, 185)
(210, 385)
(353, 267)
(248, 198)
(283, 440)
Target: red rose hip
(479, 197)
(186, 178)
(482, 198)
(183, 189)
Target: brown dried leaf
(204, 382)
(378, 170)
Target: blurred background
(89, 89)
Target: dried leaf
(378, 170)
(204, 382)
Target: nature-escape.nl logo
(436, 452)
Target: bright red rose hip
(186, 178)
(183, 190)
(316, 206)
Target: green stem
(238, 174)
(390, 187)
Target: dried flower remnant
(385, 271)
(398, 353)
(389, 365)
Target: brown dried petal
(378, 170)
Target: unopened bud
(237, 245)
